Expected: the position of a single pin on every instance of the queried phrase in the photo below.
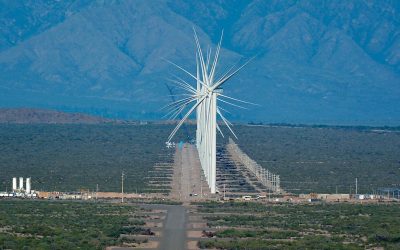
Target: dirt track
(188, 181)
(174, 232)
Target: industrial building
(20, 191)
(389, 193)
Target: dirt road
(188, 182)
(174, 227)
(174, 232)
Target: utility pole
(336, 189)
(122, 187)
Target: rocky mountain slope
(332, 62)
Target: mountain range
(325, 62)
(43, 116)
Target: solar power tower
(201, 97)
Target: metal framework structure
(201, 99)
(270, 180)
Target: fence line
(270, 180)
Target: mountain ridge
(334, 63)
(45, 116)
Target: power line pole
(122, 187)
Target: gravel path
(188, 182)
(174, 231)
(173, 234)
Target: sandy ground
(192, 245)
(153, 224)
(195, 217)
(196, 225)
(194, 234)
(157, 217)
(148, 245)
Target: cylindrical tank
(14, 183)
(28, 185)
(21, 183)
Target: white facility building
(14, 184)
(21, 183)
(28, 185)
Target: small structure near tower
(21, 183)
(14, 184)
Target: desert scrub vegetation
(64, 225)
(321, 159)
(73, 157)
(295, 226)
(314, 242)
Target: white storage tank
(28, 185)
(21, 183)
(360, 196)
(14, 183)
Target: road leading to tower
(188, 182)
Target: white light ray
(185, 83)
(220, 82)
(184, 119)
(238, 100)
(220, 131)
(205, 94)
(222, 100)
(184, 70)
(182, 86)
(177, 103)
(177, 110)
(226, 123)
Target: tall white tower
(21, 183)
(28, 185)
(14, 183)
(203, 101)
